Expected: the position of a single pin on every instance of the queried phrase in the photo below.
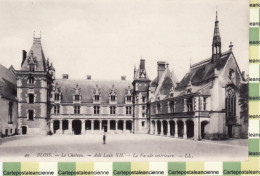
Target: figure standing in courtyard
(104, 138)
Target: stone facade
(205, 104)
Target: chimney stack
(161, 67)
(88, 77)
(123, 78)
(65, 76)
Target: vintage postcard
(124, 80)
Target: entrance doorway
(24, 130)
(76, 127)
(104, 125)
(230, 131)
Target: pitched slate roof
(37, 53)
(88, 86)
(7, 83)
(154, 83)
(202, 72)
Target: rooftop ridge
(200, 63)
(95, 80)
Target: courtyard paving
(119, 147)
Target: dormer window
(128, 95)
(77, 94)
(96, 97)
(113, 94)
(113, 98)
(57, 97)
(129, 98)
(76, 97)
(31, 67)
(57, 93)
(158, 108)
(190, 104)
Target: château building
(204, 104)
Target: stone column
(176, 129)
(197, 133)
(116, 125)
(156, 128)
(61, 131)
(168, 128)
(100, 126)
(51, 127)
(184, 130)
(161, 128)
(92, 125)
(124, 126)
(70, 126)
(83, 127)
(108, 125)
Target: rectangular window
(96, 97)
(31, 80)
(143, 114)
(189, 105)
(112, 110)
(96, 109)
(204, 103)
(31, 98)
(57, 97)
(30, 113)
(76, 97)
(129, 98)
(57, 109)
(143, 107)
(128, 110)
(158, 108)
(143, 124)
(113, 98)
(10, 113)
(77, 109)
(172, 107)
(143, 99)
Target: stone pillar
(70, 126)
(156, 128)
(60, 130)
(176, 129)
(196, 130)
(161, 128)
(83, 127)
(108, 125)
(184, 130)
(168, 128)
(51, 127)
(124, 126)
(151, 128)
(116, 123)
(100, 126)
(92, 125)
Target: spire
(216, 44)
(36, 52)
(140, 72)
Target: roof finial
(40, 34)
(190, 62)
(33, 34)
(230, 46)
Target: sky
(106, 39)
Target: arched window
(230, 102)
